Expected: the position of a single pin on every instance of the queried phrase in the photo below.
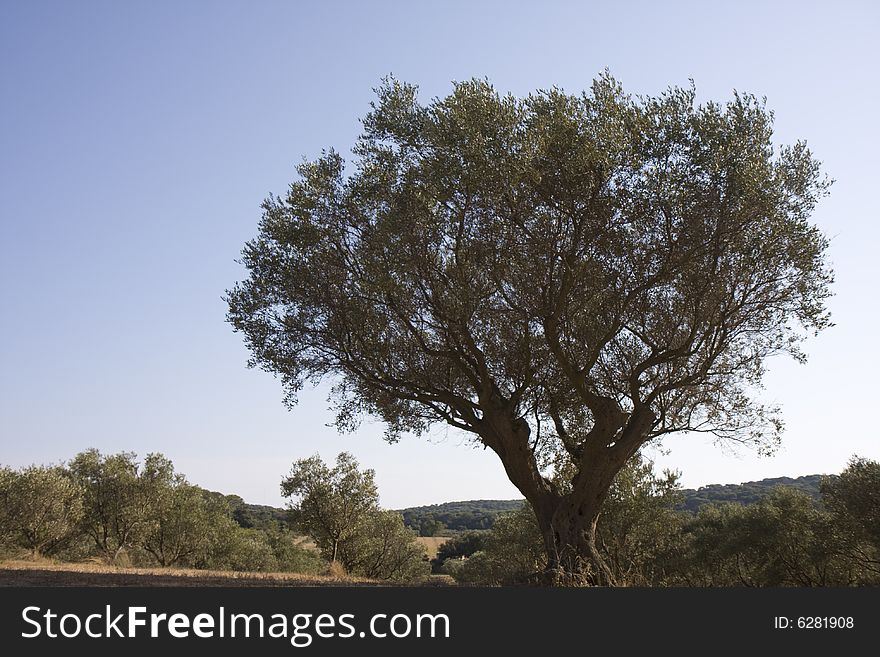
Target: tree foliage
(855, 496)
(854, 499)
(582, 273)
(785, 539)
(339, 508)
(459, 547)
(114, 500)
(747, 492)
(146, 511)
(638, 521)
(40, 508)
(458, 516)
(180, 523)
(330, 503)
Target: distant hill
(746, 493)
(259, 516)
(458, 516)
(481, 514)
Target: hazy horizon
(139, 140)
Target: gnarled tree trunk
(568, 519)
(569, 533)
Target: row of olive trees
(787, 539)
(114, 508)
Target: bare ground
(47, 573)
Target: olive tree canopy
(556, 273)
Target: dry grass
(432, 544)
(43, 572)
(336, 569)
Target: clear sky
(138, 139)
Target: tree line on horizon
(449, 518)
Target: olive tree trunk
(569, 533)
(568, 518)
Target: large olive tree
(586, 272)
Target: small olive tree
(339, 508)
(180, 521)
(115, 510)
(330, 504)
(41, 508)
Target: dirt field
(45, 573)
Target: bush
(242, 550)
(451, 567)
(638, 523)
(513, 552)
(291, 557)
(339, 508)
(784, 540)
(385, 548)
(481, 568)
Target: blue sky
(138, 139)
